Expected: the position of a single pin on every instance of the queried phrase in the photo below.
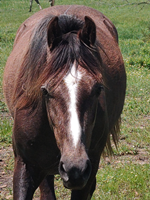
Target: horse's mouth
(74, 186)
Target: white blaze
(72, 80)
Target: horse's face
(72, 104)
(71, 109)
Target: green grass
(5, 131)
(123, 182)
(127, 177)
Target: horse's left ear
(88, 33)
(53, 33)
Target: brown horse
(64, 85)
(37, 1)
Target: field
(125, 176)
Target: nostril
(63, 173)
(87, 170)
(75, 176)
(62, 167)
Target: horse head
(72, 96)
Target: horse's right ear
(54, 34)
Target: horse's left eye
(97, 90)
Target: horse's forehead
(74, 82)
(73, 77)
(77, 76)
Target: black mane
(69, 23)
(42, 65)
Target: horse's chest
(39, 150)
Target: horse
(37, 1)
(64, 84)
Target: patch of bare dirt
(6, 159)
(142, 157)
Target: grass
(126, 176)
(124, 182)
(5, 131)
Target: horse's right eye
(44, 91)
